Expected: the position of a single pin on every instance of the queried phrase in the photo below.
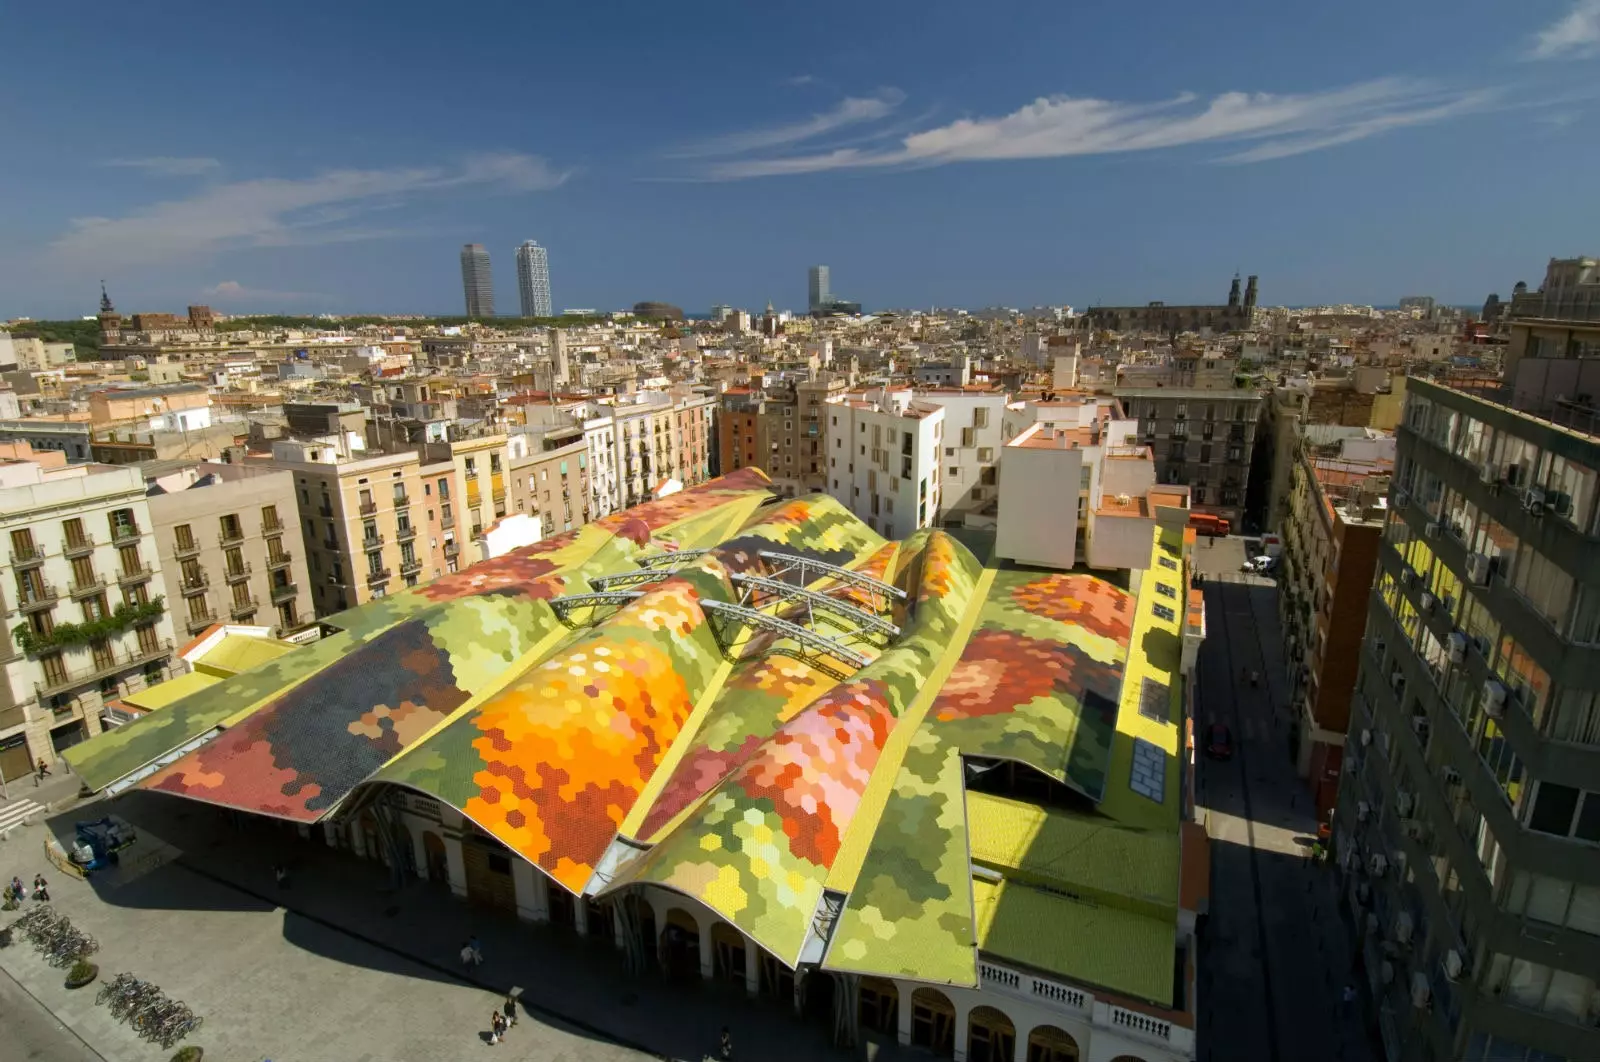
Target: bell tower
(110, 319)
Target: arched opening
(816, 997)
(680, 945)
(488, 869)
(371, 844)
(563, 906)
(777, 980)
(728, 953)
(434, 857)
(878, 1006)
(991, 1037)
(1050, 1044)
(933, 1022)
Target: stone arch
(679, 944)
(991, 1035)
(729, 953)
(1048, 1043)
(878, 1005)
(435, 860)
(933, 1022)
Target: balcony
(115, 664)
(1169, 1031)
(237, 575)
(367, 508)
(240, 609)
(452, 549)
(370, 542)
(134, 576)
(27, 557)
(325, 511)
(232, 536)
(282, 592)
(34, 599)
(199, 621)
(88, 587)
(405, 534)
(185, 550)
(378, 577)
(125, 534)
(77, 547)
(402, 500)
(195, 584)
(271, 528)
(410, 567)
(280, 559)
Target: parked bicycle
(147, 1010)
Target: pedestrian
(497, 1027)
(477, 952)
(280, 874)
(511, 1010)
(41, 888)
(42, 769)
(16, 890)
(725, 1047)
(466, 953)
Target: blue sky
(333, 157)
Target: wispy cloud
(233, 293)
(852, 110)
(1061, 126)
(168, 166)
(1573, 36)
(281, 212)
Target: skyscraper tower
(818, 295)
(533, 279)
(476, 280)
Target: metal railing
(103, 668)
(77, 547)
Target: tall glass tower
(476, 280)
(817, 292)
(533, 279)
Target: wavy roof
(750, 771)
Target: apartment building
(781, 431)
(1202, 438)
(644, 448)
(971, 460)
(695, 431)
(1336, 507)
(360, 520)
(553, 485)
(220, 533)
(1469, 815)
(84, 615)
(883, 452)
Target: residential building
(467, 482)
(1469, 819)
(1202, 438)
(973, 421)
(883, 451)
(963, 824)
(1335, 512)
(818, 290)
(84, 617)
(228, 539)
(360, 519)
(170, 407)
(780, 431)
(695, 433)
(477, 282)
(553, 485)
(533, 279)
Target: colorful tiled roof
(763, 773)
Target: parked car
(1219, 741)
(1258, 565)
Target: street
(1274, 959)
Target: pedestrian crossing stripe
(16, 813)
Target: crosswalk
(14, 814)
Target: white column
(580, 915)
(1021, 1052)
(752, 968)
(798, 982)
(329, 835)
(456, 863)
(961, 1033)
(903, 994)
(708, 953)
(532, 891)
(419, 847)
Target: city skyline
(1328, 156)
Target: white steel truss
(803, 636)
(813, 601)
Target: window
(1166, 589)
(980, 417)
(269, 518)
(183, 535)
(75, 534)
(232, 530)
(94, 608)
(1163, 612)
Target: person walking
(41, 771)
(497, 1027)
(466, 953)
(41, 888)
(477, 951)
(510, 1010)
(280, 874)
(725, 1047)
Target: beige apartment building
(85, 621)
(227, 539)
(554, 486)
(359, 522)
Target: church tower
(110, 319)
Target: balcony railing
(237, 575)
(195, 584)
(410, 567)
(103, 668)
(125, 534)
(282, 592)
(77, 547)
(199, 621)
(371, 541)
(241, 609)
(452, 549)
(185, 550)
(84, 588)
(380, 576)
(324, 510)
(405, 534)
(402, 500)
(368, 508)
(32, 600)
(993, 976)
(280, 559)
(27, 557)
(130, 576)
(232, 536)
(271, 527)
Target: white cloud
(168, 166)
(233, 293)
(1061, 126)
(281, 212)
(852, 110)
(1575, 35)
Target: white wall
(1038, 521)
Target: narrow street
(1274, 959)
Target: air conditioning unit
(1452, 776)
(1454, 965)
(1533, 500)
(1401, 499)
(1477, 569)
(1397, 681)
(1480, 642)
(1377, 865)
(1408, 578)
(1494, 698)
(1421, 993)
(1378, 647)
(1402, 804)
(1457, 647)
(1488, 473)
(1428, 602)
(1432, 530)
(1403, 927)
